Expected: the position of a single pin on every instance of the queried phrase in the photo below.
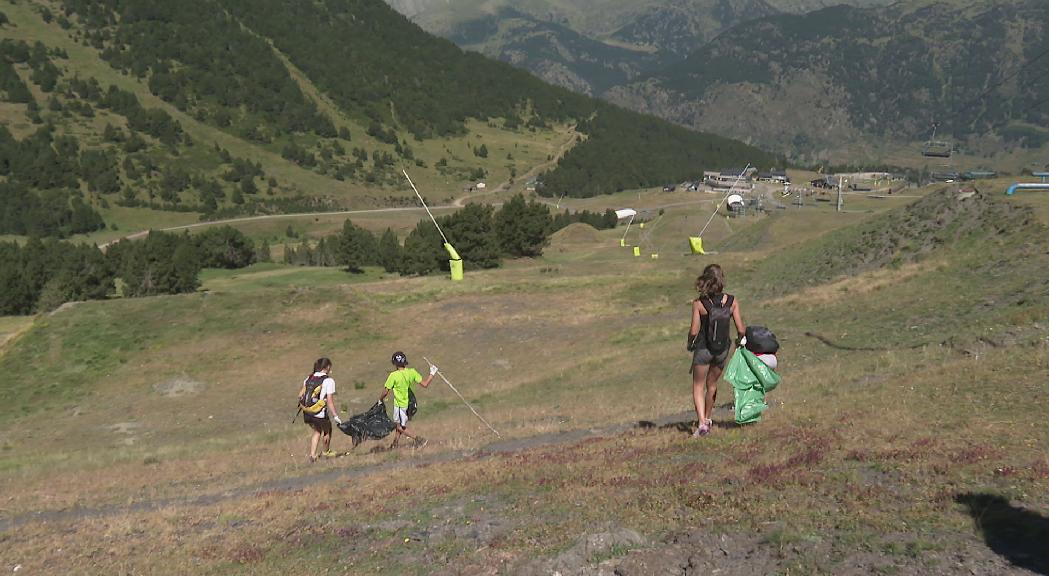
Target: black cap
(399, 359)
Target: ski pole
(481, 418)
(296, 416)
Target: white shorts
(400, 415)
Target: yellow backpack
(312, 400)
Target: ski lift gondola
(936, 148)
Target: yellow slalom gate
(696, 244)
(455, 263)
(637, 251)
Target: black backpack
(413, 405)
(311, 401)
(718, 318)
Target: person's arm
(334, 412)
(331, 403)
(697, 311)
(386, 388)
(425, 383)
(741, 328)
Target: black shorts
(703, 357)
(322, 425)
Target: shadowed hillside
(844, 75)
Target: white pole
(481, 418)
(627, 231)
(425, 206)
(727, 194)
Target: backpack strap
(710, 301)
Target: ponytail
(321, 365)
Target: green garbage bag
(750, 379)
(767, 377)
(749, 405)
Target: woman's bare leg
(711, 389)
(314, 440)
(699, 379)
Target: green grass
(263, 276)
(577, 340)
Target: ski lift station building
(728, 178)
(775, 176)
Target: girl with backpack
(316, 398)
(709, 342)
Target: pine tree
(423, 252)
(521, 227)
(389, 251)
(357, 247)
(471, 230)
(349, 250)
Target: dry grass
(803, 470)
(860, 284)
(861, 450)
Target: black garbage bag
(761, 340)
(373, 424)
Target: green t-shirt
(400, 381)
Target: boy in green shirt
(401, 381)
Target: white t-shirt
(327, 387)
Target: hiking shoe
(708, 422)
(329, 454)
(420, 442)
(703, 430)
(312, 458)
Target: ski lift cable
(727, 194)
(987, 91)
(1019, 113)
(646, 237)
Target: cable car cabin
(936, 149)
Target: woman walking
(709, 342)
(316, 398)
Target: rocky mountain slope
(591, 45)
(811, 83)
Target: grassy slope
(158, 393)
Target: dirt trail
(532, 173)
(10, 338)
(142, 233)
(679, 421)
